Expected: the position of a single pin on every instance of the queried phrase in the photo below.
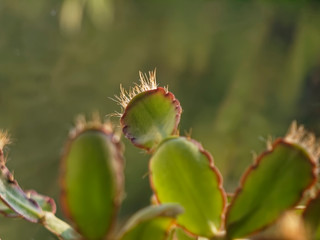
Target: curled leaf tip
(147, 83)
(4, 139)
(81, 124)
(298, 135)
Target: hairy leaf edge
(119, 174)
(213, 168)
(136, 99)
(255, 165)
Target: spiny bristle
(269, 142)
(146, 83)
(81, 124)
(188, 133)
(297, 134)
(254, 156)
(4, 139)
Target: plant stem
(58, 227)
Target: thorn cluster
(4, 139)
(81, 124)
(298, 135)
(147, 83)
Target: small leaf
(150, 114)
(150, 117)
(46, 203)
(181, 171)
(92, 180)
(274, 184)
(13, 196)
(311, 216)
(151, 222)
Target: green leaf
(92, 178)
(181, 171)
(6, 211)
(311, 215)
(274, 184)
(13, 196)
(46, 203)
(150, 117)
(151, 222)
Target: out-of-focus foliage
(101, 13)
(241, 70)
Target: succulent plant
(278, 195)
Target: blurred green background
(242, 70)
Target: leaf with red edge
(92, 181)
(46, 203)
(14, 197)
(182, 172)
(7, 212)
(274, 184)
(150, 117)
(152, 222)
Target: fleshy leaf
(30, 205)
(6, 211)
(181, 171)
(92, 181)
(13, 196)
(274, 184)
(46, 203)
(150, 117)
(311, 216)
(152, 222)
